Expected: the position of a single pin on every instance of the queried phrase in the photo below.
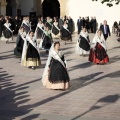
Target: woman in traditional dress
(98, 52)
(26, 24)
(55, 30)
(65, 33)
(7, 32)
(56, 64)
(47, 39)
(20, 42)
(83, 43)
(39, 33)
(31, 54)
(48, 23)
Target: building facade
(73, 8)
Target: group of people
(90, 24)
(56, 28)
(30, 41)
(97, 50)
(116, 29)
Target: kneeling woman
(98, 52)
(55, 74)
(30, 55)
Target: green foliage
(109, 3)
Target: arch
(8, 8)
(51, 8)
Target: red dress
(98, 55)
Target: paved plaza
(94, 93)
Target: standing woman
(20, 42)
(98, 53)
(7, 32)
(30, 55)
(55, 75)
(55, 29)
(39, 33)
(83, 43)
(47, 39)
(49, 23)
(65, 32)
(26, 24)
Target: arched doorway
(8, 8)
(51, 8)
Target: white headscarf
(100, 40)
(84, 34)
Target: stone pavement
(94, 93)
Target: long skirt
(65, 35)
(98, 55)
(55, 32)
(7, 35)
(19, 46)
(47, 42)
(32, 57)
(39, 33)
(57, 81)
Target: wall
(26, 6)
(85, 8)
(3, 7)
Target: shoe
(7, 41)
(29, 67)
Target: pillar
(3, 7)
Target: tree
(109, 3)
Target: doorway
(51, 8)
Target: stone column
(63, 7)
(3, 7)
(39, 7)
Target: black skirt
(100, 52)
(7, 33)
(65, 35)
(32, 52)
(39, 33)
(58, 73)
(19, 47)
(47, 42)
(84, 44)
(27, 28)
(55, 31)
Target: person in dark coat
(79, 24)
(16, 25)
(94, 25)
(105, 30)
(70, 24)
